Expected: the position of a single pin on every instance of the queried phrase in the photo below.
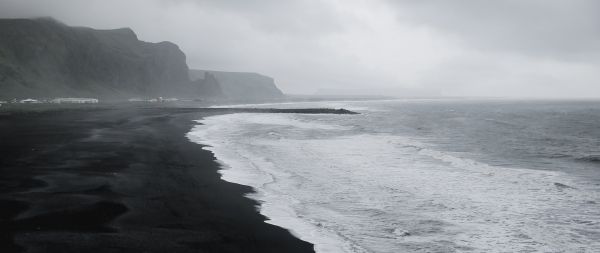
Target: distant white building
(153, 100)
(29, 101)
(75, 100)
(168, 99)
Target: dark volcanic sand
(122, 180)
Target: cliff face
(44, 58)
(241, 86)
(209, 87)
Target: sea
(421, 175)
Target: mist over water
(422, 175)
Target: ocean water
(421, 175)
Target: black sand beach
(122, 180)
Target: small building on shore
(153, 100)
(163, 100)
(74, 101)
(29, 101)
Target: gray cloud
(294, 18)
(543, 28)
(462, 47)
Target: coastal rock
(241, 86)
(209, 87)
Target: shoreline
(122, 180)
(257, 171)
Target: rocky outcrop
(241, 86)
(209, 87)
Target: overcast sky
(523, 48)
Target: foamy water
(334, 183)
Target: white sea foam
(360, 105)
(347, 191)
(244, 167)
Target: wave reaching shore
(383, 181)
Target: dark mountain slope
(44, 58)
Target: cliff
(44, 58)
(209, 87)
(241, 86)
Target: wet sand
(122, 180)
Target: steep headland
(43, 58)
(240, 85)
